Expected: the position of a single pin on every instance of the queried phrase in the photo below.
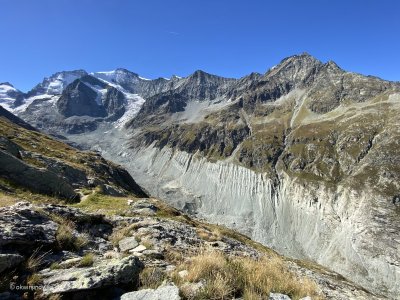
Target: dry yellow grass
(225, 277)
(35, 260)
(120, 233)
(66, 236)
(151, 278)
(7, 200)
(207, 235)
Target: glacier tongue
(329, 226)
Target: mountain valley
(303, 159)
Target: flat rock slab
(139, 248)
(109, 272)
(128, 244)
(167, 292)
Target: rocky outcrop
(24, 229)
(35, 179)
(277, 296)
(105, 274)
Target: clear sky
(158, 38)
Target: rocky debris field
(146, 250)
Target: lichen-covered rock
(106, 273)
(128, 244)
(22, 228)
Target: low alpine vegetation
(226, 277)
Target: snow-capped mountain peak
(56, 83)
(8, 95)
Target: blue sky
(161, 38)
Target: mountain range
(303, 158)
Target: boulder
(144, 207)
(167, 292)
(24, 228)
(106, 273)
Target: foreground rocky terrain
(64, 252)
(302, 158)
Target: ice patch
(134, 103)
(58, 84)
(51, 99)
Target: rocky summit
(226, 173)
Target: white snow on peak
(144, 78)
(115, 76)
(5, 88)
(57, 85)
(273, 67)
(109, 76)
(5, 100)
(48, 99)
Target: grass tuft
(151, 278)
(87, 260)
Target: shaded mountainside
(39, 163)
(5, 114)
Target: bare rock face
(79, 100)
